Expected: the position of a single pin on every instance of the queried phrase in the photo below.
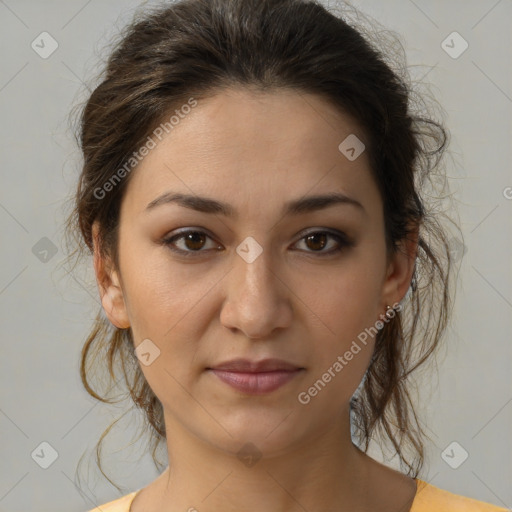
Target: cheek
(170, 305)
(344, 340)
(168, 310)
(346, 300)
(158, 293)
(343, 306)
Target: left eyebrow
(302, 205)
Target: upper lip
(265, 365)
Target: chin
(256, 437)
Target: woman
(252, 195)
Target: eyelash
(342, 239)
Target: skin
(255, 151)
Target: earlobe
(109, 286)
(115, 308)
(401, 269)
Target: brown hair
(195, 48)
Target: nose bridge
(253, 268)
(255, 303)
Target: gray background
(46, 312)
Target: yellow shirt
(428, 498)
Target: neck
(323, 472)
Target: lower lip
(255, 383)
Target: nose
(257, 297)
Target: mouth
(256, 377)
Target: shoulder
(429, 497)
(121, 504)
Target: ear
(109, 285)
(401, 269)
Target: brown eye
(317, 241)
(194, 240)
(191, 241)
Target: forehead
(255, 143)
(245, 121)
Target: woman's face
(254, 283)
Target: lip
(247, 366)
(256, 377)
(256, 383)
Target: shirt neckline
(420, 485)
(134, 493)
